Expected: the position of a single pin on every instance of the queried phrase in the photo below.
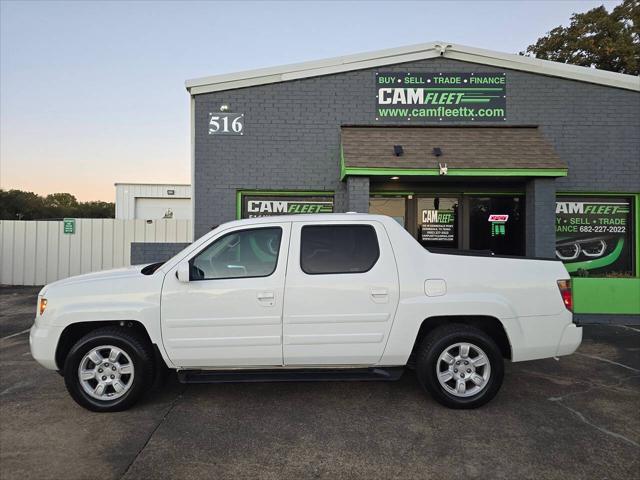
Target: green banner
(440, 97)
(266, 206)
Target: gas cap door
(435, 287)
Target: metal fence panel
(39, 252)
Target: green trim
(390, 193)
(606, 295)
(393, 192)
(493, 193)
(278, 193)
(343, 171)
(598, 262)
(636, 213)
(453, 172)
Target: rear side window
(328, 249)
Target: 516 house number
(226, 123)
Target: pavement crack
(585, 420)
(164, 416)
(627, 327)
(595, 357)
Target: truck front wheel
(460, 366)
(108, 369)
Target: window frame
(226, 234)
(369, 225)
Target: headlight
(42, 305)
(588, 247)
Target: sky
(92, 93)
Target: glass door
(497, 224)
(437, 222)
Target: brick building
(467, 148)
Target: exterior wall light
(224, 107)
(395, 178)
(437, 151)
(398, 150)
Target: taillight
(565, 293)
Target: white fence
(39, 252)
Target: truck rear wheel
(108, 370)
(460, 366)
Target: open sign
(498, 218)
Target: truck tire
(460, 366)
(109, 369)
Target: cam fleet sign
(441, 97)
(438, 226)
(265, 206)
(594, 237)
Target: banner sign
(441, 97)
(266, 206)
(593, 236)
(438, 226)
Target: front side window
(245, 253)
(327, 249)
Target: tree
(19, 205)
(608, 41)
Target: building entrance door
(493, 223)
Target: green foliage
(597, 38)
(19, 205)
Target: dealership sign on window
(266, 206)
(438, 226)
(593, 236)
(441, 97)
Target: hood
(113, 274)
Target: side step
(290, 375)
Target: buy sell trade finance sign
(441, 97)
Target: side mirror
(183, 271)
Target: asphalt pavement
(576, 418)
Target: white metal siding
(127, 193)
(38, 252)
(156, 208)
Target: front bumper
(43, 341)
(570, 340)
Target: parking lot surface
(570, 419)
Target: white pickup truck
(306, 297)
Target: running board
(290, 375)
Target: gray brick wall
(540, 208)
(142, 252)
(292, 135)
(358, 194)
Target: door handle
(379, 292)
(266, 299)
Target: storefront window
(594, 236)
(438, 222)
(497, 224)
(392, 207)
